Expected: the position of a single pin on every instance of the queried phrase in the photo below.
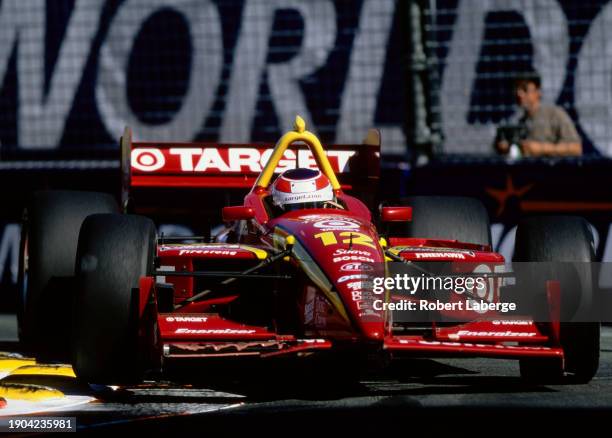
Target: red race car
(300, 269)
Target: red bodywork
(319, 309)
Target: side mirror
(396, 214)
(237, 213)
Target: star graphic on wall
(502, 195)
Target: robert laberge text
(470, 305)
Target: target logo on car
(147, 159)
(219, 159)
(186, 319)
(336, 224)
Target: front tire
(449, 218)
(114, 252)
(49, 238)
(564, 239)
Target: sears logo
(348, 267)
(186, 319)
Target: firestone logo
(448, 255)
(207, 252)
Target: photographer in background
(543, 130)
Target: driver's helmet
(301, 188)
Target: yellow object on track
(12, 391)
(9, 364)
(44, 370)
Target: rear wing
(146, 166)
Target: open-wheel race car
(290, 273)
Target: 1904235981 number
(38, 424)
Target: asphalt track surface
(442, 395)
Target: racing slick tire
(114, 252)
(48, 245)
(449, 218)
(563, 239)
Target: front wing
(209, 335)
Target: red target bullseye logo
(147, 159)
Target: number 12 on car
(348, 237)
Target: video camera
(513, 134)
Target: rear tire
(448, 218)
(114, 252)
(564, 239)
(46, 266)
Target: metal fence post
(422, 127)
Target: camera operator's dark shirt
(550, 124)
